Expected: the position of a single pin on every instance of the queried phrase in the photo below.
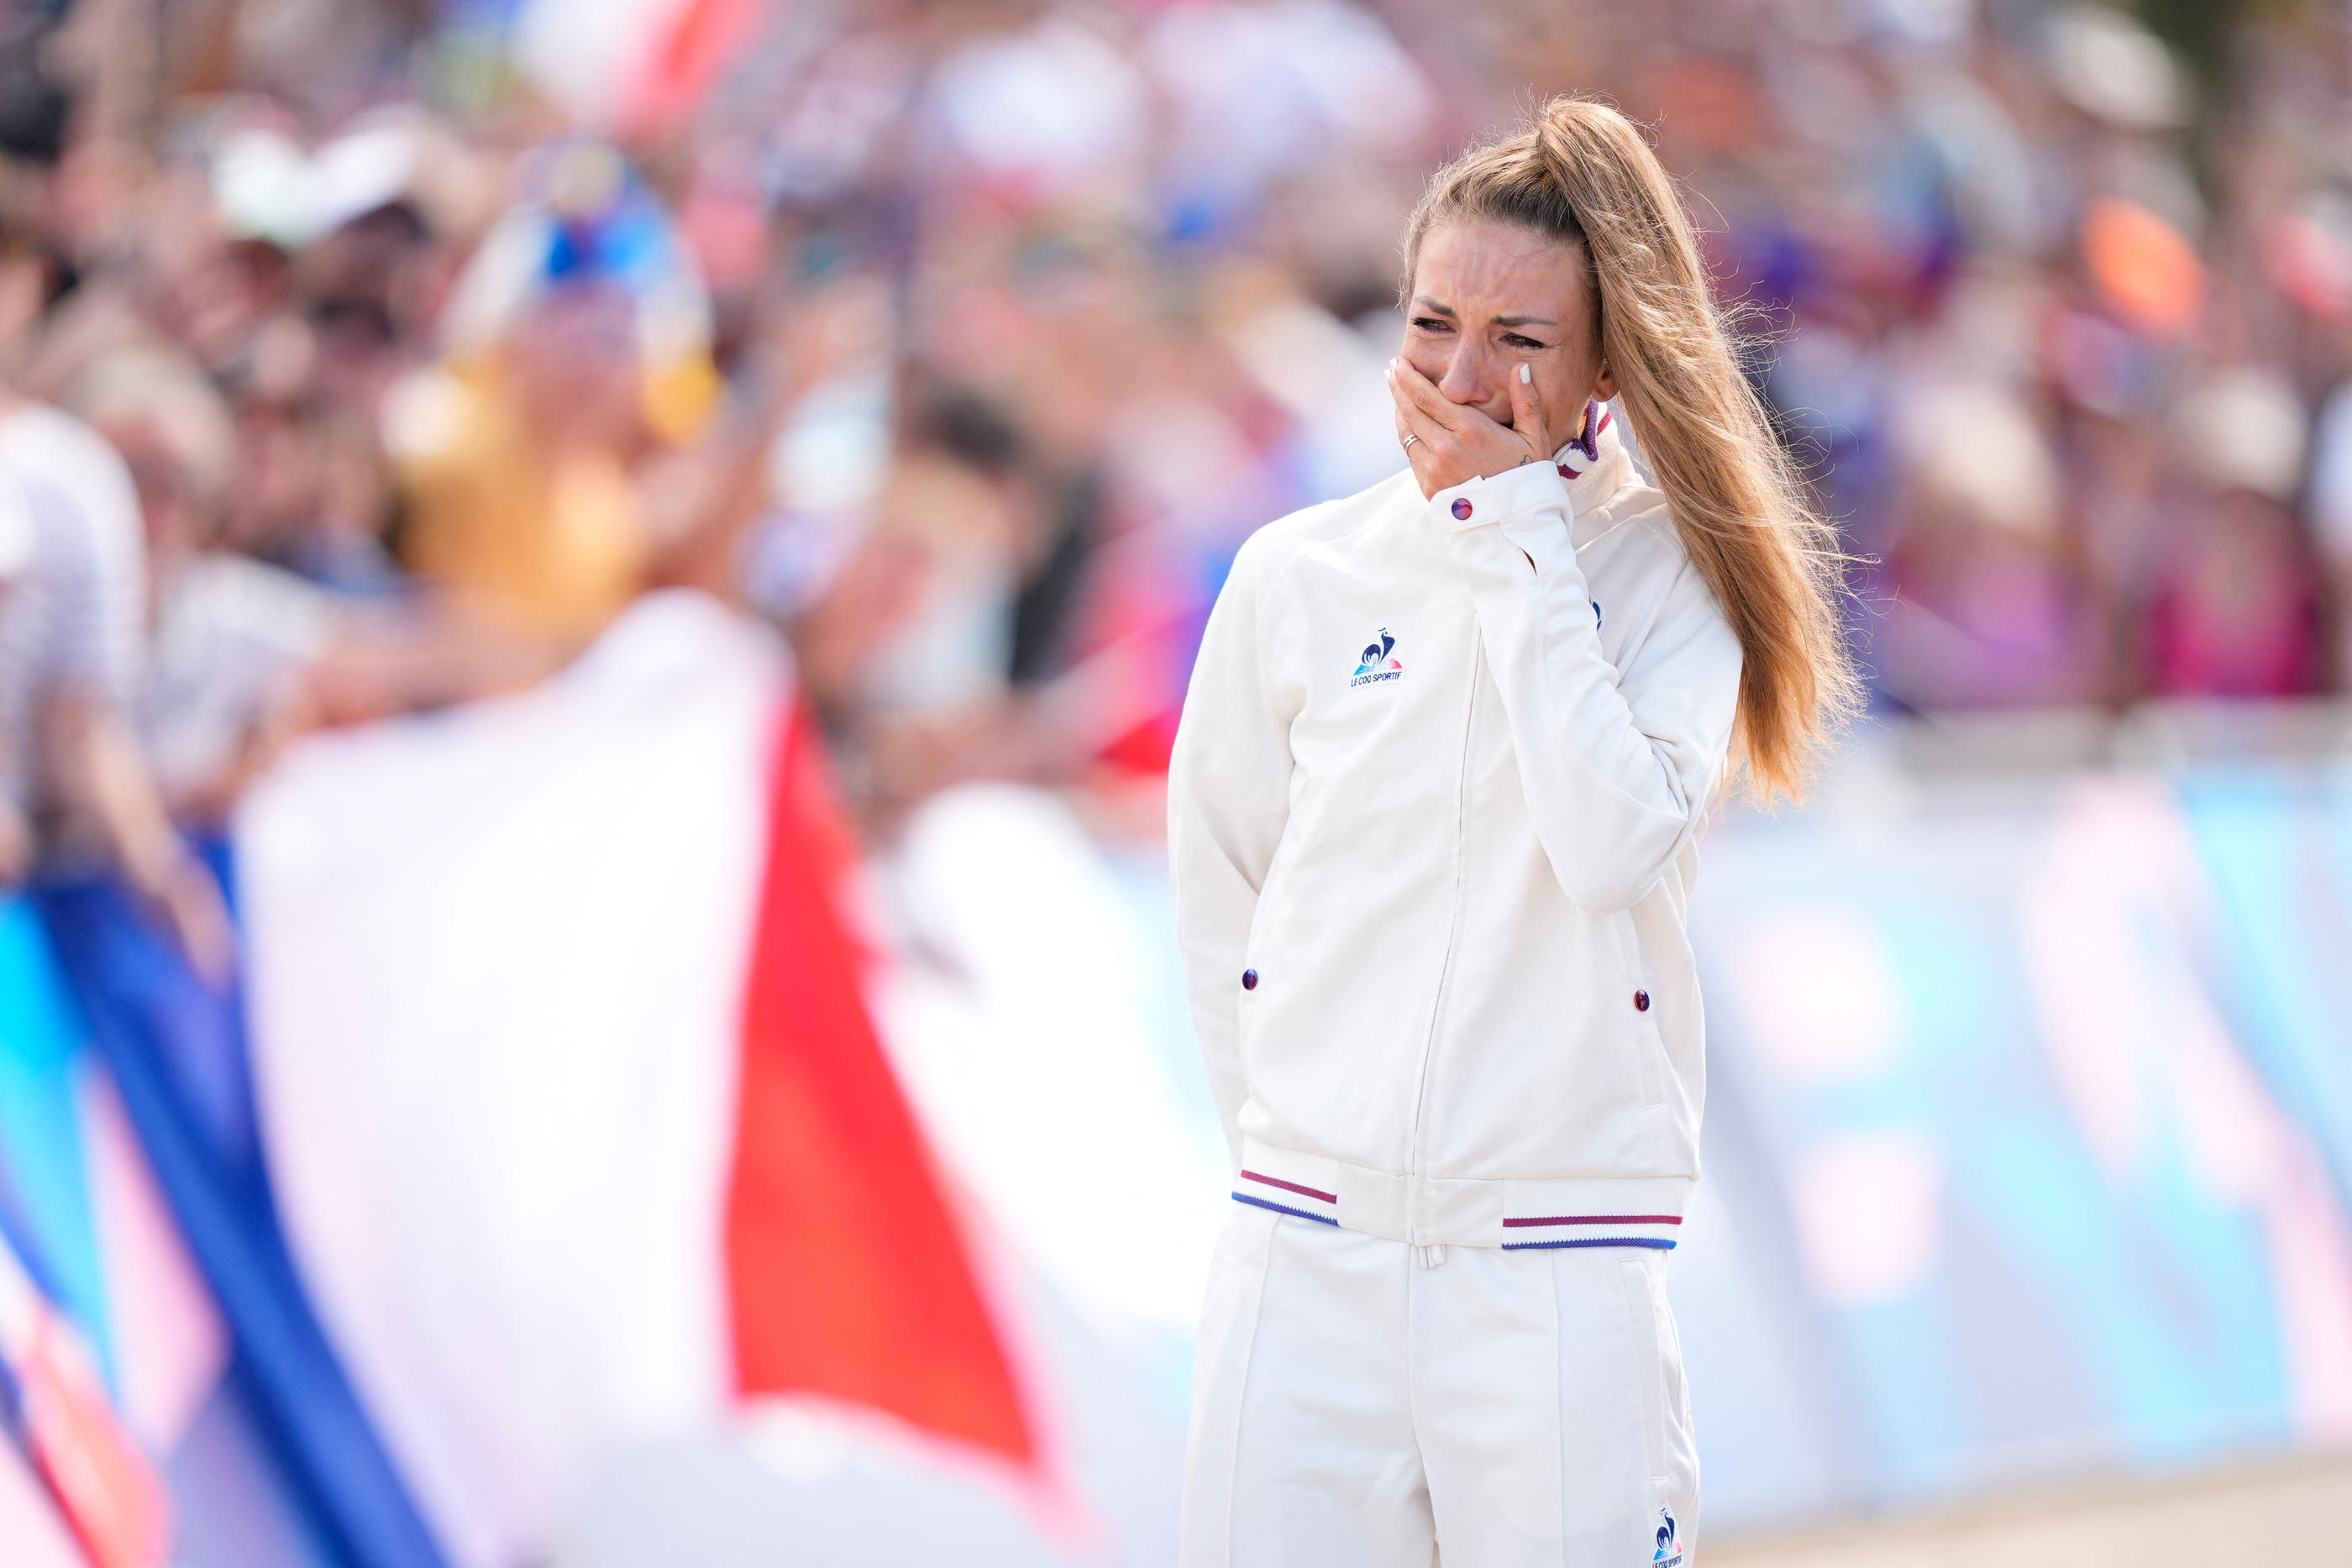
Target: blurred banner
(2030, 1138)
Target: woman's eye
(1516, 341)
(1431, 324)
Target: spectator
(474, 377)
(71, 771)
(230, 639)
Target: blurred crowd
(360, 357)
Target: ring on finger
(1408, 440)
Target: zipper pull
(1430, 1257)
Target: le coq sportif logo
(1378, 662)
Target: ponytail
(1582, 172)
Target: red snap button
(1249, 982)
(1461, 507)
(1640, 1001)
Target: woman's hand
(1450, 443)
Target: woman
(1434, 813)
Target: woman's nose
(1465, 379)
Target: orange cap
(2143, 267)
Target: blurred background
(593, 595)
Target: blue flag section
(88, 976)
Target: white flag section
(498, 965)
(1039, 992)
(497, 957)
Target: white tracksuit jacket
(1432, 816)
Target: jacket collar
(1595, 468)
(1590, 452)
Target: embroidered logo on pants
(1669, 1554)
(1379, 663)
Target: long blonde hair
(1582, 171)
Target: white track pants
(1357, 1408)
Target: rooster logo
(1378, 662)
(1668, 1553)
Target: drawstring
(1430, 1257)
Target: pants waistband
(1510, 1213)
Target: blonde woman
(1434, 818)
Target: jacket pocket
(1636, 1002)
(1266, 921)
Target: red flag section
(849, 1276)
(684, 60)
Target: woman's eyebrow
(1426, 303)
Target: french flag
(581, 1128)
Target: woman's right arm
(1228, 798)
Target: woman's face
(1488, 297)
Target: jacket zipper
(1452, 934)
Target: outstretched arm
(106, 779)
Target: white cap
(2109, 65)
(2254, 432)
